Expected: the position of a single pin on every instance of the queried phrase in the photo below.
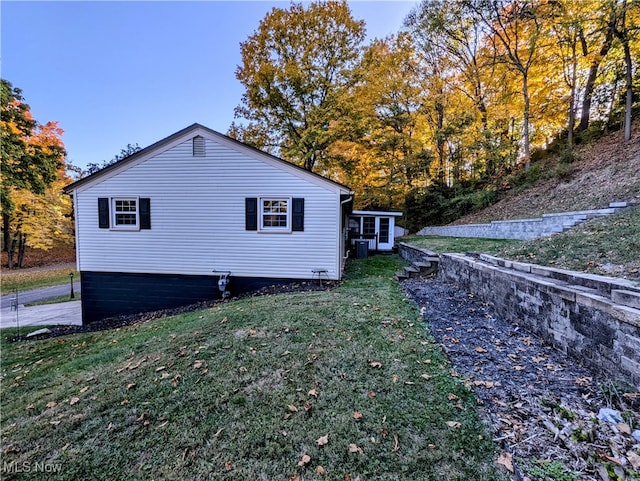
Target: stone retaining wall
(523, 229)
(594, 319)
(412, 253)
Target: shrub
(563, 171)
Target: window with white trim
(275, 214)
(369, 225)
(125, 213)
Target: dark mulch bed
(125, 320)
(541, 406)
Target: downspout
(341, 258)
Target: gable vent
(198, 146)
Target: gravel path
(541, 406)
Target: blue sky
(114, 73)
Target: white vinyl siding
(198, 218)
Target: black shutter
(103, 212)
(297, 218)
(251, 213)
(145, 213)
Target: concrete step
(426, 268)
(411, 271)
(401, 276)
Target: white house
(160, 228)
(377, 227)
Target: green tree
(294, 69)
(94, 167)
(32, 155)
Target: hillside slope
(605, 171)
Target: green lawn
(607, 246)
(341, 384)
(23, 280)
(460, 244)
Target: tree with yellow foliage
(294, 68)
(33, 172)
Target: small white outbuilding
(376, 227)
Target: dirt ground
(37, 258)
(608, 171)
(541, 406)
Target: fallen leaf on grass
(142, 417)
(294, 478)
(84, 389)
(320, 470)
(354, 448)
(52, 404)
(292, 408)
(481, 349)
(453, 424)
(197, 364)
(74, 400)
(357, 415)
(322, 440)
(307, 407)
(426, 376)
(506, 460)
(396, 443)
(452, 397)
(131, 385)
(375, 364)
(371, 394)
(313, 393)
(176, 380)
(304, 461)
(487, 384)
(228, 465)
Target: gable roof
(187, 133)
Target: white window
(275, 214)
(125, 213)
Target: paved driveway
(64, 313)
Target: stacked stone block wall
(593, 319)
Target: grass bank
(607, 246)
(342, 384)
(26, 279)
